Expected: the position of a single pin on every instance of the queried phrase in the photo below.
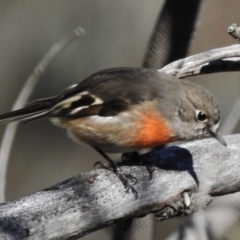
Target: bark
(186, 179)
(224, 59)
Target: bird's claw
(124, 178)
(102, 165)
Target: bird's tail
(32, 111)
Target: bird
(121, 110)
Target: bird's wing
(105, 93)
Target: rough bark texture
(213, 223)
(97, 199)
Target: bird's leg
(110, 161)
(136, 158)
(124, 178)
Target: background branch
(22, 98)
(78, 206)
(173, 32)
(212, 61)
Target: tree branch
(97, 199)
(216, 60)
(207, 224)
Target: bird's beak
(218, 137)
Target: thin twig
(22, 98)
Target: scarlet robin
(128, 109)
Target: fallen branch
(97, 199)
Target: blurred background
(117, 33)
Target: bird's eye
(201, 116)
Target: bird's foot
(123, 177)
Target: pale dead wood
(97, 199)
(224, 59)
(213, 223)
